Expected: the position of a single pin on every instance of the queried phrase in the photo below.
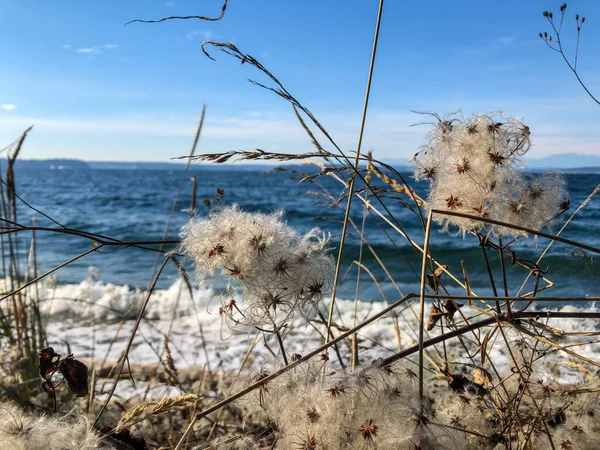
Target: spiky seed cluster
(371, 407)
(470, 164)
(570, 419)
(272, 271)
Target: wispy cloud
(388, 133)
(205, 34)
(95, 50)
(8, 107)
(89, 50)
(231, 127)
(486, 46)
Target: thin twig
(306, 357)
(131, 337)
(164, 19)
(45, 274)
(519, 227)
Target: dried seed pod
(48, 360)
(460, 383)
(434, 316)
(124, 437)
(74, 372)
(433, 279)
(451, 306)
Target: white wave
(84, 319)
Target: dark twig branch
(521, 228)
(547, 38)
(97, 238)
(164, 19)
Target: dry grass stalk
(145, 410)
(170, 369)
(396, 186)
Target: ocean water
(134, 205)
(83, 306)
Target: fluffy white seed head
(470, 165)
(272, 271)
(23, 431)
(370, 407)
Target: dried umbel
(272, 272)
(470, 165)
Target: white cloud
(89, 50)
(8, 107)
(544, 145)
(506, 40)
(233, 127)
(388, 133)
(205, 34)
(485, 46)
(95, 50)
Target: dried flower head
(272, 272)
(368, 430)
(470, 165)
(330, 409)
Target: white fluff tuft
(22, 431)
(371, 407)
(470, 164)
(272, 271)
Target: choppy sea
(85, 301)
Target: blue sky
(98, 90)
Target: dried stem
(123, 357)
(164, 19)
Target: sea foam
(85, 319)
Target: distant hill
(568, 162)
(565, 161)
(55, 164)
(135, 165)
(77, 164)
(140, 165)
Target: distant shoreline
(76, 164)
